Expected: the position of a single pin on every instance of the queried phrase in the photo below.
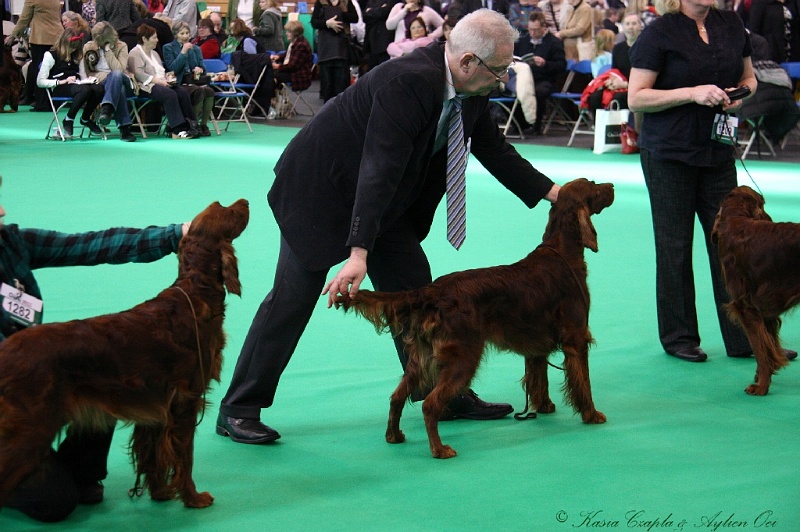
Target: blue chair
(232, 99)
(57, 103)
(564, 104)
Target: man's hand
(552, 195)
(349, 277)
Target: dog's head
(214, 229)
(577, 201)
(741, 202)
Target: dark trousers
(397, 262)
(334, 77)
(679, 192)
(86, 97)
(177, 104)
(50, 493)
(32, 92)
(544, 89)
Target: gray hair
(104, 33)
(178, 26)
(480, 32)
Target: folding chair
(228, 94)
(299, 94)
(757, 137)
(509, 104)
(584, 125)
(57, 103)
(251, 88)
(793, 69)
(137, 105)
(562, 102)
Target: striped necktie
(456, 180)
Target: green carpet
(684, 447)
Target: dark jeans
(678, 193)
(50, 493)
(397, 262)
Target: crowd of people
(552, 32)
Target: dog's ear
(230, 269)
(588, 234)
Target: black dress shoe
(90, 493)
(106, 112)
(469, 406)
(245, 430)
(788, 353)
(690, 354)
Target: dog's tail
(387, 311)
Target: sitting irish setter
(759, 261)
(150, 365)
(532, 307)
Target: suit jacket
(468, 6)
(366, 160)
(551, 49)
(43, 17)
(119, 13)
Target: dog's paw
(395, 437)
(594, 418)
(200, 500)
(444, 452)
(547, 407)
(755, 389)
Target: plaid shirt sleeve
(117, 245)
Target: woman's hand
(186, 47)
(709, 96)
(71, 79)
(334, 24)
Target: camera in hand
(738, 94)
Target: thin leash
(532, 415)
(199, 355)
(739, 154)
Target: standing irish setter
(532, 307)
(759, 261)
(150, 366)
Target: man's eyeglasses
(499, 74)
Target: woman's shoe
(204, 131)
(67, 127)
(93, 127)
(125, 134)
(182, 135)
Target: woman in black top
(332, 19)
(682, 65)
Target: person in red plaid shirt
(295, 65)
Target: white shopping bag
(607, 129)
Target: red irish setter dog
(150, 366)
(532, 307)
(759, 261)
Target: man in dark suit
(544, 52)
(468, 6)
(361, 182)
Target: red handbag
(629, 139)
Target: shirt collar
(449, 89)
